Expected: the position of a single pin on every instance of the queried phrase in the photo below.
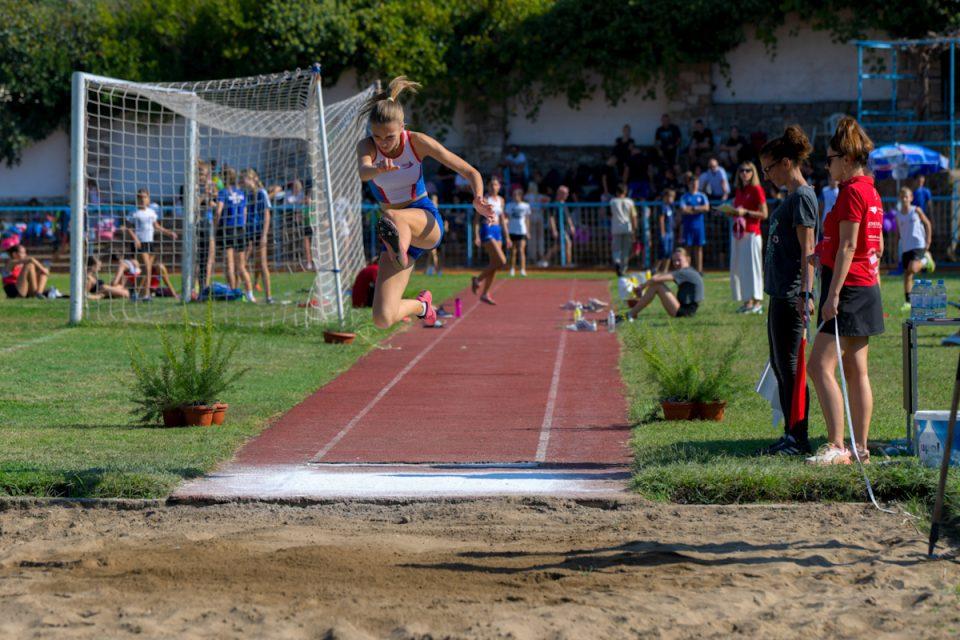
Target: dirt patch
(501, 568)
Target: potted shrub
(676, 377)
(191, 375)
(716, 382)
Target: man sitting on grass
(689, 289)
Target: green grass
(701, 462)
(65, 413)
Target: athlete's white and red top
(404, 184)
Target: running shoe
(905, 307)
(488, 300)
(429, 316)
(929, 264)
(513, 272)
(786, 446)
(756, 310)
(743, 309)
(269, 299)
(474, 284)
(828, 455)
(388, 234)
(523, 273)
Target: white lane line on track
(390, 385)
(30, 343)
(547, 423)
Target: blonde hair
(754, 178)
(384, 107)
(906, 191)
(852, 141)
(254, 178)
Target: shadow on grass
(17, 480)
(647, 553)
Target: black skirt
(860, 313)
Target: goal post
(262, 157)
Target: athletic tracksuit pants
(784, 332)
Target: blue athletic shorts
(694, 232)
(427, 205)
(490, 232)
(665, 247)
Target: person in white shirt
(828, 197)
(518, 215)
(623, 225)
(143, 225)
(916, 233)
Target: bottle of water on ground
(611, 321)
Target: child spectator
(142, 232)
(922, 195)
(693, 207)
(623, 226)
(97, 288)
(518, 213)
(666, 222)
(828, 197)
(689, 289)
(916, 233)
(230, 221)
(25, 277)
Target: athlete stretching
(391, 159)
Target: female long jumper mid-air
(392, 160)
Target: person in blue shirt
(693, 208)
(230, 221)
(258, 230)
(666, 222)
(922, 195)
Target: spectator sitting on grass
(24, 277)
(714, 181)
(97, 288)
(667, 141)
(689, 289)
(701, 141)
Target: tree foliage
(480, 50)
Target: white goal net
(243, 190)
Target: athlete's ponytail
(793, 145)
(852, 141)
(384, 106)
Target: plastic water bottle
(918, 300)
(457, 308)
(611, 321)
(940, 295)
(577, 313)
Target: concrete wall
(43, 172)
(808, 67)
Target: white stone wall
(43, 172)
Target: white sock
(424, 311)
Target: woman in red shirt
(850, 305)
(746, 246)
(25, 277)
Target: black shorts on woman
(859, 314)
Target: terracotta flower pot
(220, 412)
(198, 415)
(338, 337)
(677, 410)
(710, 410)
(173, 417)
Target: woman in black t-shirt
(788, 278)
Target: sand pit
(498, 568)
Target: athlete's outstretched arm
(425, 146)
(366, 153)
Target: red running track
(502, 384)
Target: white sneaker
(523, 273)
(513, 272)
(828, 455)
(250, 297)
(54, 293)
(756, 309)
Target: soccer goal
(242, 190)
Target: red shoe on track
(430, 315)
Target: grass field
(701, 462)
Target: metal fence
(588, 245)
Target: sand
(498, 568)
